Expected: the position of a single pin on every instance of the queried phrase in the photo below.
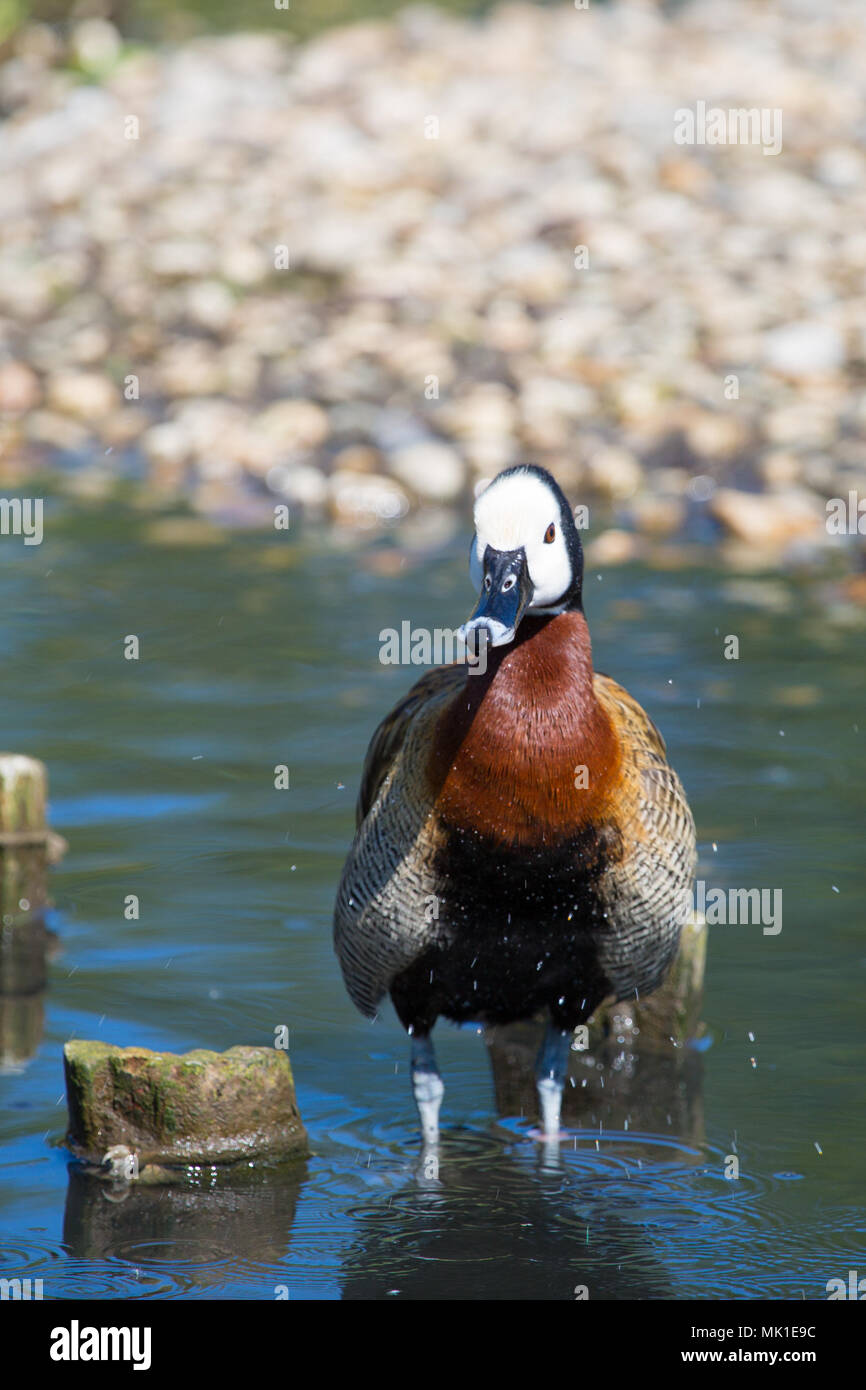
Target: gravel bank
(348, 274)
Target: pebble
(717, 435)
(433, 471)
(86, 396)
(210, 304)
(613, 547)
(19, 388)
(366, 500)
(799, 349)
(294, 425)
(773, 519)
(358, 458)
(189, 367)
(301, 486)
(95, 44)
(658, 515)
(168, 444)
(45, 427)
(614, 472)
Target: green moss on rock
(201, 1107)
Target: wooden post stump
(27, 847)
(672, 1015)
(134, 1113)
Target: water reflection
(499, 1223)
(195, 1233)
(501, 1215)
(26, 946)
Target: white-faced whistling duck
(522, 842)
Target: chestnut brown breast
(525, 755)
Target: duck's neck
(525, 754)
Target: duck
(523, 846)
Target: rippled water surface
(257, 651)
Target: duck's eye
(550, 534)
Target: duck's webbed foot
(427, 1086)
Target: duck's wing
(391, 733)
(656, 822)
(626, 710)
(383, 918)
(663, 807)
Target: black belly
(518, 934)
(502, 977)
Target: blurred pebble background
(360, 272)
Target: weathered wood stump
(672, 1015)
(27, 848)
(133, 1112)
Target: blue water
(256, 653)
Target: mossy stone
(198, 1107)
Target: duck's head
(526, 555)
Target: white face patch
(514, 513)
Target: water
(260, 651)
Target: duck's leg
(551, 1069)
(427, 1086)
